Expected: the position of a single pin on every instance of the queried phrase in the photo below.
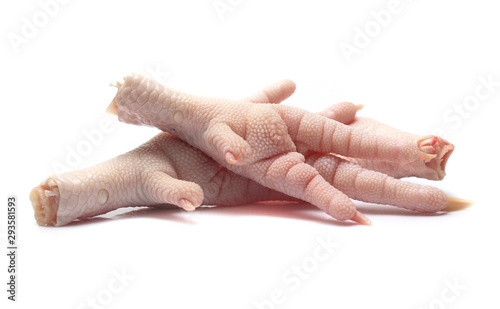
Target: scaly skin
(163, 172)
(345, 112)
(166, 171)
(433, 169)
(258, 140)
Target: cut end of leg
(112, 108)
(45, 201)
(426, 156)
(361, 219)
(116, 84)
(455, 203)
(440, 148)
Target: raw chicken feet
(258, 140)
(166, 171)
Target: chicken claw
(166, 172)
(258, 141)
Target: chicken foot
(166, 171)
(258, 140)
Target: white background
(414, 73)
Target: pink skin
(257, 140)
(345, 112)
(434, 169)
(166, 171)
(364, 184)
